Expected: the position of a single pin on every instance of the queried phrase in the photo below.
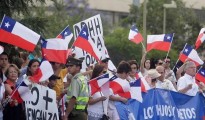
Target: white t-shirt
(185, 81)
(97, 108)
(166, 84)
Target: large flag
(84, 42)
(96, 83)
(118, 85)
(200, 38)
(136, 89)
(200, 75)
(134, 35)
(55, 50)
(66, 35)
(190, 53)
(13, 32)
(159, 42)
(42, 73)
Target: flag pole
(9, 98)
(178, 58)
(169, 47)
(143, 47)
(2, 19)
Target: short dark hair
(123, 67)
(4, 53)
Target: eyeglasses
(167, 62)
(134, 67)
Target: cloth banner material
(161, 104)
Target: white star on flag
(65, 33)
(7, 24)
(84, 33)
(186, 50)
(202, 73)
(168, 37)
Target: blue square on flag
(8, 24)
(187, 50)
(168, 37)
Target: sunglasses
(69, 65)
(167, 62)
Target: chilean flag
(55, 50)
(200, 38)
(66, 34)
(13, 32)
(118, 85)
(190, 53)
(159, 42)
(135, 91)
(200, 75)
(134, 35)
(42, 73)
(96, 83)
(84, 42)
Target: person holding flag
(123, 71)
(96, 103)
(14, 109)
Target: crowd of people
(72, 90)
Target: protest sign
(42, 105)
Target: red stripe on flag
(125, 95)
(58, 56)
(137, 38)
(85, 45)
(200, 78)
(183, 57)
(94, 86)
(15, 40)
(159, 45)
(116, 87)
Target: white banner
(42, 105)
(95, 30)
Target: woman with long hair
(96, 101)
